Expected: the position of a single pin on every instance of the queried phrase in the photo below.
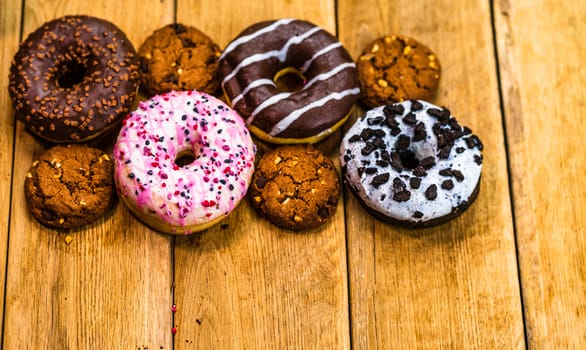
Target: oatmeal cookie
(178, 57)
(397, 68)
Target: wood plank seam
(508, 163)
(10, 195)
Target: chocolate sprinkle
(417, 214)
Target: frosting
(250, 63)
(160, 131)
(412, 161)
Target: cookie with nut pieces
(295, 187)
(395, 69)
(69, 186)
(178, 57)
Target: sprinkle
(174, 308)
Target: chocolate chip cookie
(397, 68)
(295, 187)
(69, 186)
(178, 57)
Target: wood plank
(454, 286)
(9, 33)
(541, 54)
(111, 286)
(253, 285)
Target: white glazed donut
(150, 175)
(412, 163)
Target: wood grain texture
(111, 286)
(9, 38)
(454, 286)
(253, 285)
(541, 54)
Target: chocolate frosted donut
(412, 163)
(73, 78)
(253, 62)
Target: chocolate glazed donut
(253, 62)
(73, 78)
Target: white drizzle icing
(251, 36)
(293, 116)
(254, 84)
(321, 52)
(280, 54)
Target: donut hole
(70, 74)
(289, 80)
(185, 157)
(408, 159)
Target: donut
(252, 65)
(295, 187)
(397, 68)
(412, 163)
(183, 161)
(69, 186)
(73, 78)
(178, 57)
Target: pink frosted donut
(183, 161)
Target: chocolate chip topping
(380, 180)
(458, 175)
(88, 72)
(427, 162)
(393, 110)
(414, 182)
(402, 142)
(447, 184)
(375, 120)
(416, 105)
(354, 138)
(410, 119)
(431, 192)
(419, 133)
(417, 214)
(401, 194)
(261, 181)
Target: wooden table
(508, 274)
